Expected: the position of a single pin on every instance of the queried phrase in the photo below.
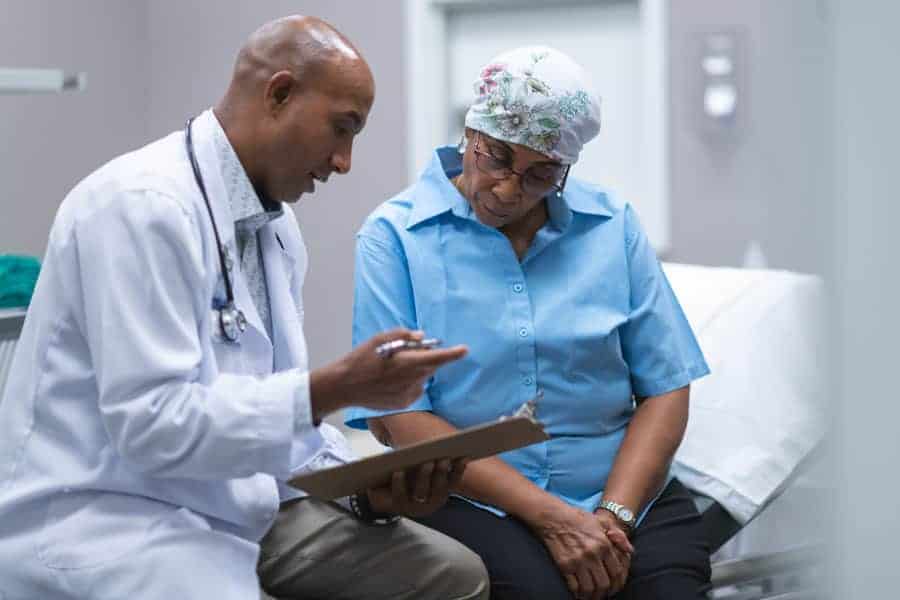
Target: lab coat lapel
(289, 344)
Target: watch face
(626, 515)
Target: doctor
(160, 393)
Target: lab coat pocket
(86, 529)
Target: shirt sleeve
(657, 341)
(140, 265)
(382, 300)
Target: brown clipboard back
(475, 442)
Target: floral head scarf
(537, 97)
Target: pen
(387, 349)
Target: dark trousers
(671, 559)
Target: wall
(771, 181)
(866, 211)
(51, 141)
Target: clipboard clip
(528, 409)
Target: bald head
(300, 88)
(305, 46)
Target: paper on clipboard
(476, 442)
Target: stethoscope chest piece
(232, 322)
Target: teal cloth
(18, 275)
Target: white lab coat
(139, 454)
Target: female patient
(553, 285)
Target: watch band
(620, 511)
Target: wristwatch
(623, 514)
(362, 509)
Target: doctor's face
(313, 135)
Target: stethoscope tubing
(231, 319)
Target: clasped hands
(592, 551)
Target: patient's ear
(380, 432)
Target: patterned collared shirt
(250, 214)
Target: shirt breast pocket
(596, 319)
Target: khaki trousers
(318, 550)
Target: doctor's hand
(593, 559)
(420, 491)
(363, 378)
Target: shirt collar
(586, 198)
(247, 210)
(435, 194)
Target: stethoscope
(232, 321)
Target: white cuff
(303, 418)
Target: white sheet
(761, 410)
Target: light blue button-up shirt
(587, 316)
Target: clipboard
(476, 442)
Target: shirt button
(527, 380)
(523, 332)
(518, 287)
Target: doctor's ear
(281, 86)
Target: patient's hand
(419, 492)
(593, 558)
(621, 546)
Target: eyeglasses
(536, 180)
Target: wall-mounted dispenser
(721, 99)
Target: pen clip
(388, 349)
